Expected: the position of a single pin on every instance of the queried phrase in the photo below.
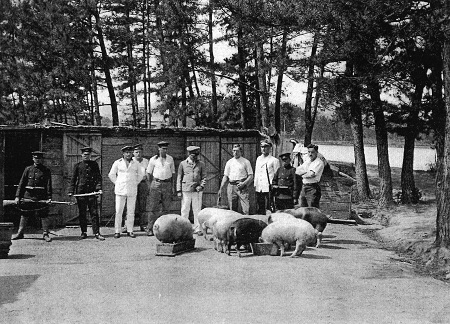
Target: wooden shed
(62, 144)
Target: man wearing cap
(160, 172)
(265, 168)
(191, 181)
(239, 174)
(125, 174)
(142, 190)
(35, 185)
(285, 188)
(86, 184)
(311, 172)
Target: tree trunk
(281, 69)
(409, 194)
(262, 82)
(144, 59)
(242, 87)
(362, 181)
(309, 121)
(384, 168)
(443, 203)
(106, 68)
(211, 61)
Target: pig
(314, 216)
(279, 216)
(220, 231)
(244, 231)
(264, 218)
(173, 228)
(208, 216)
(296, 231)
(219, 214)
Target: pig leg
(229, 248)
(319, 239)
(238, 249)
(281, 246)
(299, 248)
(251, 247)
(203, 227)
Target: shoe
(83, 236)
(47, 238)
(116, 235)
(17, 236)
(131, 234)
(99, 237)
(124, 229)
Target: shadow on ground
(12, 286)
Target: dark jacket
(86, 178)
(287, 183)
(36, 183)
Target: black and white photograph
(224, 161)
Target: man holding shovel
(86, 186)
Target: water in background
(423, 156)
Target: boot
(45, 227)
(22, 224)
(46, 237)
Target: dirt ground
(373, 273)
(350, 279)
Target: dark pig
(244, 231)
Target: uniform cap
(293, 141)
(236, 146)
(192, 148)
(86, 149)
(288, 154)
(127, 148)
(265, 143)
(163, 144)
(37, 154)
(138, 147)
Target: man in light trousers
(191, 182)
(125, 174)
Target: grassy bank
(409, 230)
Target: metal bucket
(6, 231)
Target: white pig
(292, 231)
(280, 216)
(220, 231)
(173, 228)
(212, 215)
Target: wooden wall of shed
(216, 150)
(52, 144)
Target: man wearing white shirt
(142, 190)
(239, 174)
(311, 172)
(160, 172)
(126, 174)
(265, 168)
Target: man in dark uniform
(87, 179)
(285, 184)
(34, 187)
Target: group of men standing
(277, 187)
(145, 186)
